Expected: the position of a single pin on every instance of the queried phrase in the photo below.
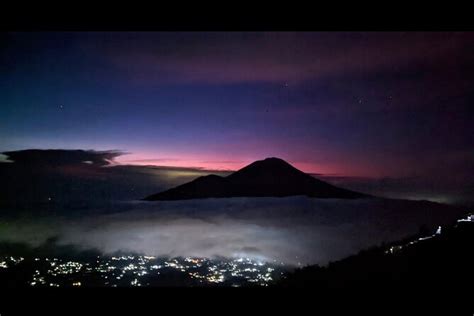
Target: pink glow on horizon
(191, 163)
(228, 164)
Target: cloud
(217, 58)
(60, 157)
(70, 179)
(290, 230)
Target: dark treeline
(441, 265)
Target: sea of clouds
(292, 230)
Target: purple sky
(371, 105)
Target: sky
(344, 105)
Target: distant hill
(272, 177)
(438, 264)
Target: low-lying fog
(290, 230)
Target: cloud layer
(289, 230)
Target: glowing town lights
(132, 270)
(216, 278)
(130, 267)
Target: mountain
(438, 264)
(272, 177)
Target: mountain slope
(272, 177)
(440, 264)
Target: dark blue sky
(349, 104)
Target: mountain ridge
(270, 177)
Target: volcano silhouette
(272, 177)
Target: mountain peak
(270, 177)
(273, 160)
